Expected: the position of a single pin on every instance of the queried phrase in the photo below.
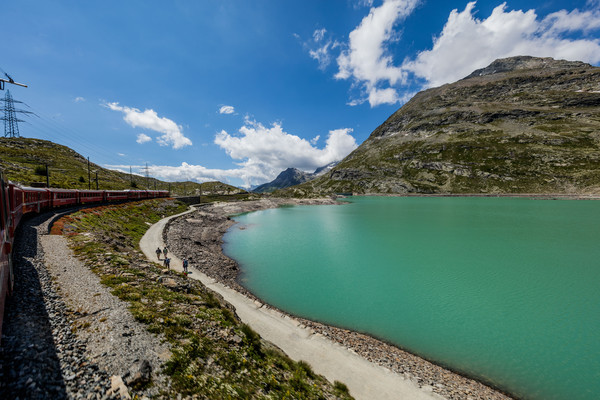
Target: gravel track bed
(64, 335)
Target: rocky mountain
(287, 178)
(292, 177)
(520, 125)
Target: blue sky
(237, 91)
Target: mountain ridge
(521, 125)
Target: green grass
(214, 355)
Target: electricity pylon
(11, 122)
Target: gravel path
(41, 358)
(55, 296)
(114, 339)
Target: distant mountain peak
(292, 177)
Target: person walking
(168, 260)
(158, 252)
(165, 251)
(185, 266)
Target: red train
(16, 201)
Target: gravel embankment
(64, 335)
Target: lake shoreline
(532, 196)
(200, 235)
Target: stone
(169, 283)
(140, 374)
(117, 387)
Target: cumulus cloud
(467, 43)
(266, 151)
(79, 99)
(261, 153)
(143, 138)
(149, 119)
(367, 60)
(226, 110)
(464, 44)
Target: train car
(6, 249)
(35, 199)
(115, 195)
(153, 194)
(63, 197)
(90, 196)
(17, 201)
(15, 204)
(134, 194)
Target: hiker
(158, 252)
(168, 263)
(185, 265)
(165, 251)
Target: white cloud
(322, 52)
(143, 138)
(261, 154)
(149, 119)
(383, 96)
(319, 34)
(467, 43)
(79, 99)
(366, 60)
(121, 154)
(226, 110)
(564, 21)
(264, 152)
(314, 140)
(363, 3)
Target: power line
(53, 129)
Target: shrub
(40, 170)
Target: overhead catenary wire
(52, 129)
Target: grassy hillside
(24, 161)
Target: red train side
(16, 201)
(6, 237)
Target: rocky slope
(287, 178)
(520, 125)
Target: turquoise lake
(506, 290)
